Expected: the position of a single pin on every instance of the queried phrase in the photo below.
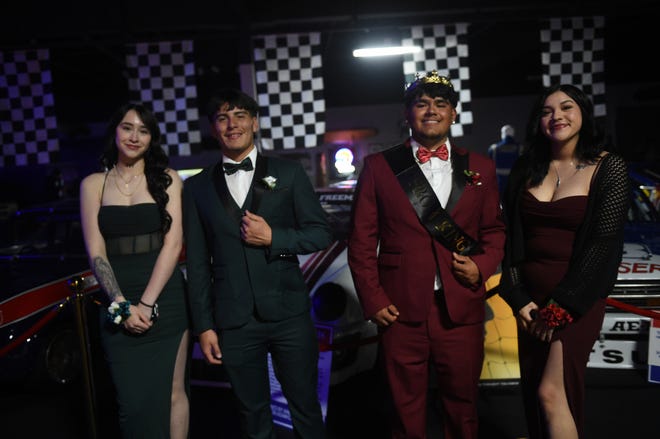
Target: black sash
(426, 204)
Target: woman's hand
(139, 321)
(540, 330)
(526, 315)
(146, 311)
(530, 321)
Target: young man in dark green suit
(245, 220)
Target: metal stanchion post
(77, 287)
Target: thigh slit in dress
(549, 229)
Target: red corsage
(555, 316)
(472, 178)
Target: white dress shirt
(239, 182)
(438, 174)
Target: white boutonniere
(270, 182)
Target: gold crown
(432, 77)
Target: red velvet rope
(53, 295)
(633, 309)
(33, 301)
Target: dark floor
(619, 405)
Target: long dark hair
(537, 149)
(155, 159)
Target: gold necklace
(128, 193)
(126, 183)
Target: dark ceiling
(30, 22)
(86, 40)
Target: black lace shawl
(598, 245)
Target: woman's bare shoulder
(93, 180)
(176, 178)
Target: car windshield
(337, 204)
(643, 208)
(645, 205)
(643, 225)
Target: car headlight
(329, 302)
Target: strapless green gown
(142, 366)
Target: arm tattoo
(106, 278)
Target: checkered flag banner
(573, 53)
(290, 90)
(162, 75)
(27, 109)
(445, 49)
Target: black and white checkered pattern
(27, 109)
(573, 53)
(445, 49)
(162, 75)
(289, 85)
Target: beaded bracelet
(555, 316)
(119, 312)
(154, 312)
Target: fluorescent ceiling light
(385, 51)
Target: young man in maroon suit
(427, 233)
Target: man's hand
(208, 342)
(386, 316)
(255, 230)
(465, 270)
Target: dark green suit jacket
(229, 280)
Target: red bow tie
(424, 155)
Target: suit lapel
(258, 187)
(233, 210)
(403, 159)
(436, 220)
(459, 164)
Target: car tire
(59, 362)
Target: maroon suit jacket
(393, 258)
